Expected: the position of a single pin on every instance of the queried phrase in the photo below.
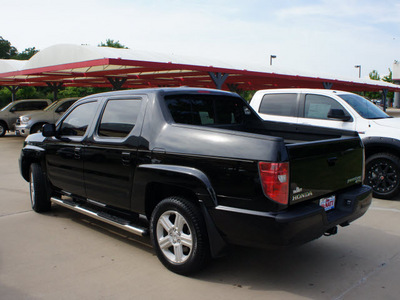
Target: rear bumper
(297, 225)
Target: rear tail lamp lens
(275, 180)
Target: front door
(65, 152)
(316, 109)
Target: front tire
(179, 235)
(38, 187)
(382, 173)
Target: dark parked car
(196, 169)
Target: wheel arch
(37, 124)
(30, 154)
(153, 183)
(375, 145)
(5, 124)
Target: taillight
(275, 180)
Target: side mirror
(338, 114)
(49, 130)
(13, 109)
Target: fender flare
(188, 178)
(30, 154)
(381, 143)
(180, 176)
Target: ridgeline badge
(356, 179)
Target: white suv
(10, 113)
(33, 122)
(343, 110)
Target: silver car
(10, 113)
(33, 122)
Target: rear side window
(207, 109)
(119, 117)
(30, 105)
(279, 105)
(318, 107)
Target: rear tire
(382, 173)
(36, 128)
(3, 129)
(179, 235)
(39, 191)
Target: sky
(320, 37)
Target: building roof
(82, 65)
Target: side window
(78, 120)
(119, 117)
(19, 107)
(279, 105)
(37, 105)
(30, 105)
(318, 107)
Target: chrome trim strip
(244, 211)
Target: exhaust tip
(331, 231)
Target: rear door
(111, 154)
(281, 107)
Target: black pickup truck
(196, 169)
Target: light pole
(270, 59)
(359, 70)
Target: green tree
(374, 75)
(113, 44)
(389, 78)
(26, 54)
(6, 50)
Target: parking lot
(64, 255)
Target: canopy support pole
(117, 82)
(55, 86)
(384, 94)
(218, 78)
(327, 85)
(234, 87)
(13, 89)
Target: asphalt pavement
(64, 255)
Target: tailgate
(320, 168)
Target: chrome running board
(102, 216)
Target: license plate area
(328, 203)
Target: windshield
(51, 106)
(365, 108)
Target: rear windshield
(208, 109)
(365, 108)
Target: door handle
(77, 152)
(126, 158)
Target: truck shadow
(325, 268)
